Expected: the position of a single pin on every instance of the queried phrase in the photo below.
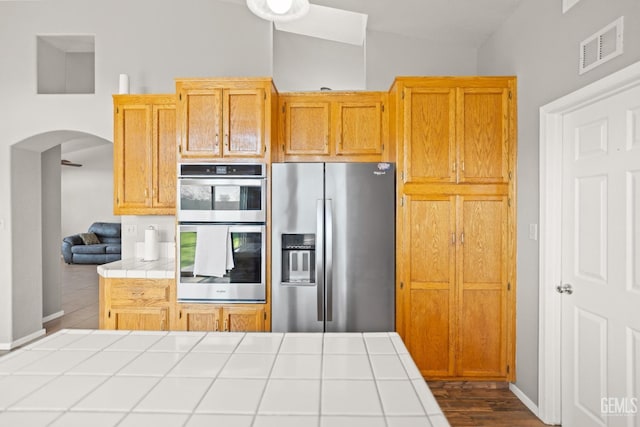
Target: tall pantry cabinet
(456, 154)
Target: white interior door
(601, 262)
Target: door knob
(565, 289)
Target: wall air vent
(601, 46)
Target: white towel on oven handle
(213, 252)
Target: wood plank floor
(464, 404)
(482, 404)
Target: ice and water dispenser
(299, 258)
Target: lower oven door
(221, 263)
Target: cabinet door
(359, 128)
(244, 122)
(429, 135)
(482, 277)
(200, 120)
(483, 134)
(243, 319)
(200, 317)
(132, 157)
(164, 157)
(143, 319)
(428, 255)
(306, 128)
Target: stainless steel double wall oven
(221, 232)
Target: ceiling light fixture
(279, 10)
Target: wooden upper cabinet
(228, 118)
(456, 130)
(483, 134)
(430, 135)
(358, 125)
(132, 157)
(144, 154)
(333, 126)
(200, 114)
(164, 156)
(243, 123)
(307, 127)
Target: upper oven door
(221, 200)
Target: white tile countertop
(132, 378)
(163, 268)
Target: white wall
(27, 264)
(390, 55)
(303, 63)
(87, 191)
(541, 46)
(51, 239)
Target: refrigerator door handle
(329, 257)
(320, 258)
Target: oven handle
(235, 228)
(222, 181)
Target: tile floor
(121, 378)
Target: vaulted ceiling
(465, 23)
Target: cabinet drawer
(141, 293)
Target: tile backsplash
(133, 227)
(167, 250)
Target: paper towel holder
(151, 244)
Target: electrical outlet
(131, 229)
(533, 231)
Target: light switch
(131, 229)
(533, 231)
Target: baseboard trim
(524, 399)
(53, 316)
(23, 340)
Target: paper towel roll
(124, 84)
(151, 245)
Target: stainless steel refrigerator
(333, 247)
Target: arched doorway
(36, 202)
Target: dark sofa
(107, 249)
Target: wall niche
(66, 64)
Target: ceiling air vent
(602, 46)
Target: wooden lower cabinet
(146, 319)
(456, 287)
(140, 304)
(225, 318)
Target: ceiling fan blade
(64, 162)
